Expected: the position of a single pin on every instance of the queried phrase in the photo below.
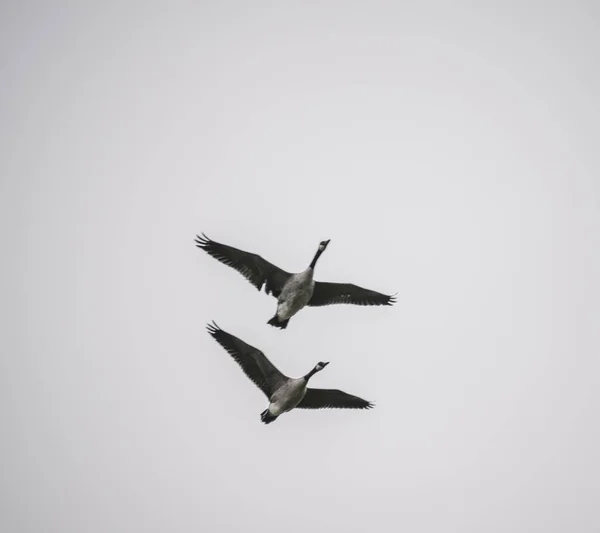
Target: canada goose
(284, 393)
(293, 291)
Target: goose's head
(320, 366)
(323, 245)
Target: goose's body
(293, 291)
(296, 293)
(288, 396)
(284, 393)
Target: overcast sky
(449, 152)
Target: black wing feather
(346, 293)
(253, 267)
(332, 399)
(254, 363)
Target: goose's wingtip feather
(213, 328)
(202, 241)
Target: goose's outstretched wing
(332, 399)
(254, 363)
(253, 267)
(347, 293)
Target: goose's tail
(276, 322)
(267, 417)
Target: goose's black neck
(311, 374)
(316, 258)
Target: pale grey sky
(450, 153)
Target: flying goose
(284, 393)
(293, 291)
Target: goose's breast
(295, 295)
(288, 396)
